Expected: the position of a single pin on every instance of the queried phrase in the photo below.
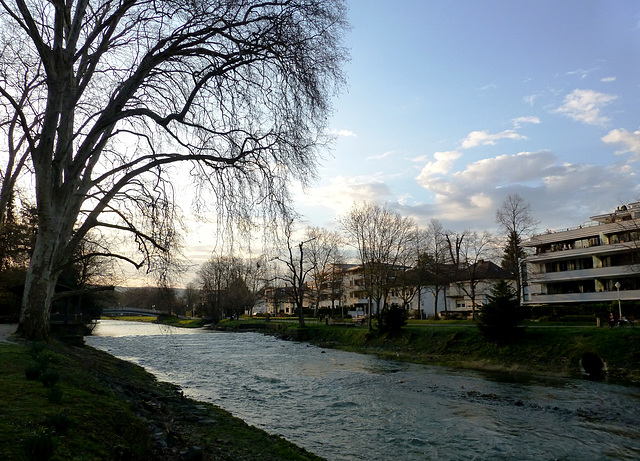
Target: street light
(617, 285)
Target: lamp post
(617, 285)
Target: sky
(452, 105)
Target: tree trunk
(300, 315)
(38, 292)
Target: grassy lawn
(165, 320)
(105, 408)
(545, 348)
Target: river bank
(542, 350)
(98, 407)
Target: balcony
(573, 253)
(584, 274)
(565, 298)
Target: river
(346, 406)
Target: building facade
(596, 262)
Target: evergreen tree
(501, 315)
(515, 219)
(512, 255)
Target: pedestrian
(612, 320)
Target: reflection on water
(346, 406)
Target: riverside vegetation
(542, 349)
(80, 403)
(105, 408)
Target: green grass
(165, 320)
(131, 318)
(182, 323)
(550, 350)
(108, 404)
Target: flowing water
(347, 406)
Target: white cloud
(582, 73)
(381, 156)
(585, 105)
(564, 194)
(344, 133)
(630, 142)
(442, 165)
(341, 193)
(478, 138)
(608, 79)
(519, 121)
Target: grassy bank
(164, 319)
(101, 408)
(548, 350)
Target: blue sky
(453, 105)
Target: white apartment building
(596, 262)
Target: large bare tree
(322, 253)
(104, 98)
(516, 221)
(382, 238)
(467, 251)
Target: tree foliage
(501, 315)
(393, 319)
(107, 99)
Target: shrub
(54, 394)
(36, 349)
(40, 446)
(499, 318)
(49, 378)
(393, 319)
(33, 372)
(59, 422)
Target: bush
(393, 319)
(499, 318)
(54, 395)
(33, 372)
(49, 378)
(40, 446)
(59, 422)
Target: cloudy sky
(453, 105)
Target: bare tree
(224, 285)
(323, 248)
(382, 238)
(474, 248)
(191, 296)
(298, 268)
(515, 219)
(433, 266)
(104, 99)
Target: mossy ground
(116, 410)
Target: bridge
(117, 311)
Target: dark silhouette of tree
(501, 315)
(393, 319)
(382, 239)
(322, 249)
(108, 100)
(515, 219)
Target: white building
(596, 262)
